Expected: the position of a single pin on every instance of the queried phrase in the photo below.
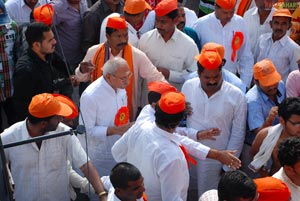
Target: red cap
(209, 59)
(161, 87)
(270, 189)
(226, 4)
(136, 6)
(116, 23)
(46, 105)
(70, 103)
(165, 6)
(44, 14)
(214, 46)
(172, 102)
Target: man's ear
(281, 121)
(36, 45)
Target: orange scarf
(102, 55)
(188, 158)
(243, 7)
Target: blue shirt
(259, 106)
(193, 34)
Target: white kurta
(42, 174)
(156, 153)
(295, 190)
(142, 67)
(226, 110)
(176, 55)
(254, 27)
(284, 53)
(210, 29)
(99, 104)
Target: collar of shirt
(173, 138)
(131, 28)
(173, 38)
(287, 179)
(282, 41)
(265, 97)
(106, 85)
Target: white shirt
(194, 148)
(156, 153)
(99, 104)
(19, 11)
(295, 190)
(149, 23)
(42, 174)
(132, 33)
(210, 29)
(256, 29)
(176, 55)
(284, 53)
(142, 67)
(226, 110)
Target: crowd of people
(176, 105)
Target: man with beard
(39, 70)
(278, 46)
(40, 169)
(262, 100)
(216, 105)
(117, 45)
(265, 146)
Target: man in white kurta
(169, 49)
(40, 169)
(142, 66)
(219, 28)
(155, 151)
(216, 104)
(278, 46)
(99, 105)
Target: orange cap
(265, 72)
(46, 105)
(226, 4)
(270, 189)
(215, 46)
(172, 102)
(161, 87)
(116, 23)
(70, 103)
(136, 6)
(209, 59)
(282, 13)
(165, 6)
(44, 14)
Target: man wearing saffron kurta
(117, 45)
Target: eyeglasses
(296, 124)
(125, 78)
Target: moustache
(278, 31)
(215, 84)
(181, 23)
(121, 44)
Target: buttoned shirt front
(156, 153)
(19, 11)
(99, 105)
(176, 55)
(256, 29)
(42, 174)
(295, 190)
(210, 29)
(284, 53)
(259, 106)
(226, 110)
